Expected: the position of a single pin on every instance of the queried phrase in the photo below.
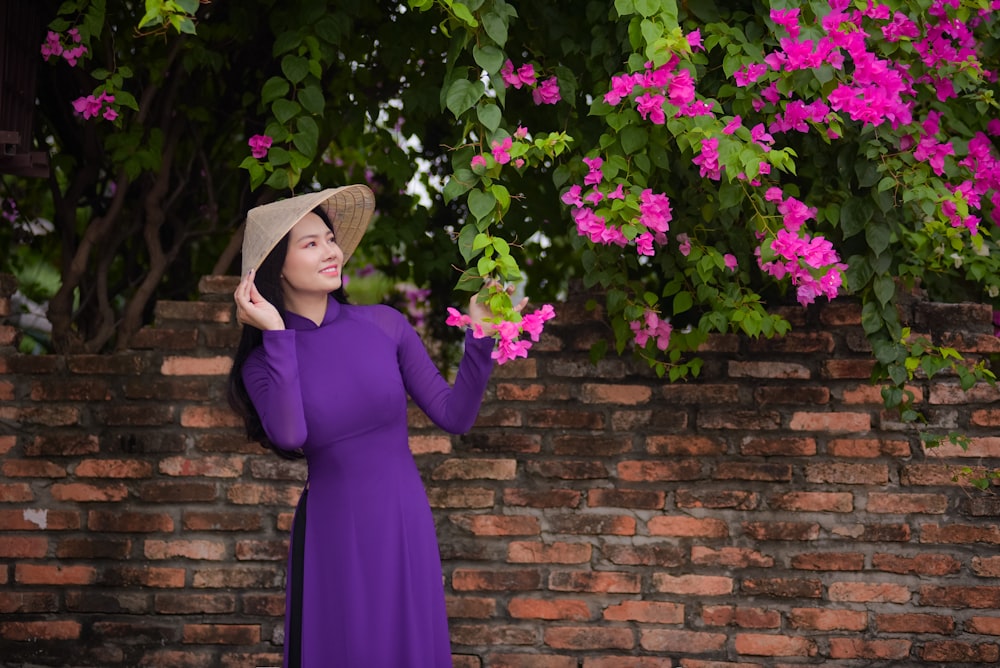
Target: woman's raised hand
(252, 309)
(479, 312)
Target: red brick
(24, 547)
(203, 311)
(265, 605)
(32, 468)
(70, 389)
(742, 617)
(550, 609)
(178, 492)
(848, 368)
(776, 394)
(648, 612)
(868, 448)
(221, 521)
(88, 548)
(40, 631)
(207, 417)
(241, 577)
(476, 469)
(194, 604)
(779, 587)
(144, 576)
(760, 644)
(523, 392)
(626, 498)
(764, 472)
(662, 555)
(838, 422)
(16, 492)
(568, 469)
(781, 530)
(848, 474)
(28, 602)
(117, 364)
(129, 522)
(487, 635)
(623, 662)
(261, 550)
(660, 471)
(589, 637)
(952, 651)
(829, 561)
(831, 502)
(730, 557)
(776, 370)
(497, 525)
(778, 446)
(989, 626)
(44, 574)
(177, 659)
(84, 493)
(625, 395)
(921, 564)
(430, 445)
(222, 634)
(550, 498)
(692, 585)
(34, 519)
(904, 504)
(914, 623)
(185, 549)
(988, 567)
(532, 660)
(210, 467)
(604, 582)
(959, 534)
(878, 650)
(597, 525)
(864, 592)
(471, 607)
(113, 468)
(681, 642)
(817, 619)
(138, 415)
(469, 579)
(164, 339)
(524, 552)
(959, 596)
(685, 446)
(742, 420)
(266, 495)
(716, 498)
(687, 527)
(591, 445)
(62, 444)
(565, 419)
(700, 395)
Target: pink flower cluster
(653, 212)
(655, 87)
(71, 52)
(799, 256)
(878, 91)
(91, 106)
(546, 92)
(259, 146)
(651, 326)
(509, 335)
(500, 150)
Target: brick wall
(768, 514)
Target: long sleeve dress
(364, 571)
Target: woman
(319, 378)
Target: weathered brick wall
(768, 514)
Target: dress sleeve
(452, 408)
(271, 376)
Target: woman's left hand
(479, 312)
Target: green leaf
(489, 115)
(495, 25)
(307, 138)
(284, 110)
(633, 138)
(466, 242)
(463, 95)
(274, 88)
(885, 289)
(488, 57)
(481, 204)
(878, 237)
(295, 68)
(312, 100)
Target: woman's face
(314, 261)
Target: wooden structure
(20, 28)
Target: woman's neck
(311, 306)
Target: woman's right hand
(252, 309)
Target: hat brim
(349, 209)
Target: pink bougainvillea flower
(547, 92)
(680, 90)
(732, 126)
(749, 74)
(708, 159)
(500, 150)
(654, 211)
(52, 46)
(684, 244)
(478, 161)
(259, 145)
(523, 76)
(694, 40)
(521, 132)
(572, 196)
(731, 261)
(650, 107)
(618, 193)
(788, 19)
(594, 176)
(456, 318)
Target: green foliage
(412, 99)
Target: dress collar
(298, 322)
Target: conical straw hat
(349, 208)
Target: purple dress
(365, 586)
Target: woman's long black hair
(268, 282)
